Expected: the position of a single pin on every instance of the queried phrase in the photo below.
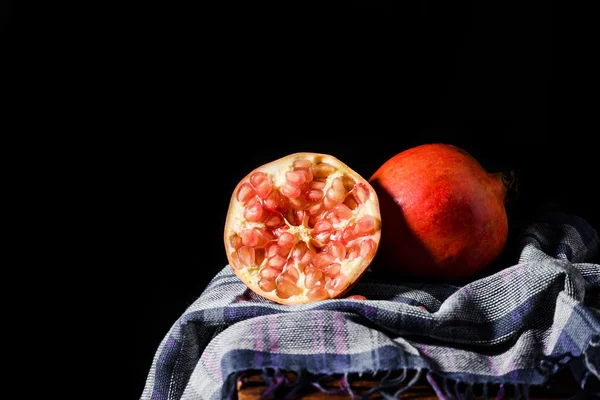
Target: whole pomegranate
(443, 215)
(302, 228)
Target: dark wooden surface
(562, 386)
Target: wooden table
(562, 386)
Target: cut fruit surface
(302, 228)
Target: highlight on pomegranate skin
(302, 228)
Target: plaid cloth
(517, 326)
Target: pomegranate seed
(292, 272)
(300, 216)
(313, 277)
(286, 287)
(343, 211)
(322, 260)
(246, 256)
(261, 182)
(323, 226)
(332, 270)
(235, 241)
(314, 209)
(273, 250)
(291, 191)
(348, 183)
(322, 170)
(361, 193)
(308, 176)
(245, 193)
(323, 238)
(286, 239)
(338, 185)
(367, 247)
(273, 201)
(266, 284)
(366, 224)
(298, 203)
(337, 249)
(302, 164)
(331, 199)
(301, 266)
(335, 195)
(254, 212)
(314, 195)
(350, 202)
(250, 237)
(317, 185)
(353, 252)
(299, 250)
(269, 273)
(307, 257)
(276, 261)
(295, 178)
(317, 293)
(259, 256)
(338, 283)
(274, 220)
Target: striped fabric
(517, 326)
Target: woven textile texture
(517, 326)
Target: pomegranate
(444, 215)
(302, 228)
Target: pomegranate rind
(276, 170)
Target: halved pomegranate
(302, 228)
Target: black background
(231, 91)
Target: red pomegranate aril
(273, 249)
(236, 242)
(245, 193)
(323, 226)
(350, 202)
(269, 273)
(295, 178)
(267, 285)
(314, 209)
(313, 277)
(292, 272)
(262, 184)
(343, 211)
(332, 270)
(365, 225)
(367, 247)
(246, 256)
(298, 203)
(290, 191)
(317, 185)
(317, 293)
(337, 250)
(272, 202)
(286, 287)
(274, 220)
(276, 261)
(361, 193)
(322, 170)
(322, 238)
(301, 164)
(353, 252)
(314, 195)
(254, 211)
(336, 283)
(321, 260)
(348, 183)
(286, 239)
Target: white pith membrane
(302, 228)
